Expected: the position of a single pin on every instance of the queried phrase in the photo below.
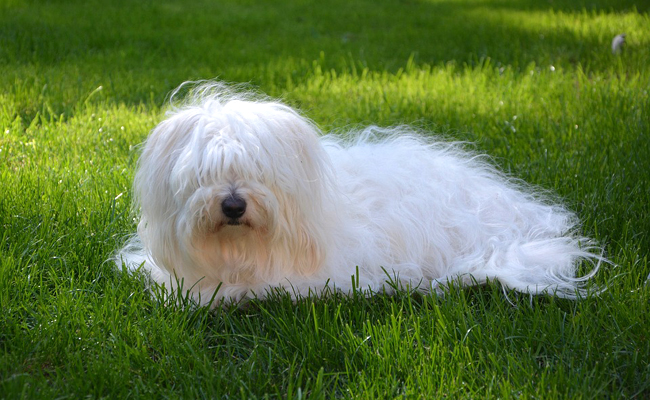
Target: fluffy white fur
(376, 205)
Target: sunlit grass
(532, 84)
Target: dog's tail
(561, 266)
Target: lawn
(534, 84)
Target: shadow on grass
(138, 51)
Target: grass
(532, 83)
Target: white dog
(240, 196)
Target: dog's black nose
(233, 207)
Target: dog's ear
(152, 196)
(158, 177)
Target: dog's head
(233, 190)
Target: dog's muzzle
(233, 208)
